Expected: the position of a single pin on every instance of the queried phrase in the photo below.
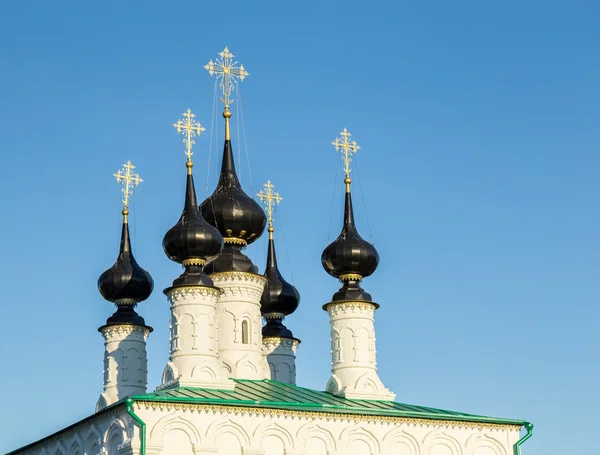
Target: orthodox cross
(190, 128)
(129, 180)
(227, 71)
(347, 147)
(270, 199)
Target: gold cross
(347, 147)
(191, 128)
(270, 199)
(228, 72)
(129, 180)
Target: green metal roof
(277, 395)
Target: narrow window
(245, 333)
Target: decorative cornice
(350, 277)
(354, 307)
(126, 302)
(120, 331)
(183, 292)
(194, 261)
(222, 277)
(235, 241)
(273, 343)
(327, 416)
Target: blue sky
(478, 123)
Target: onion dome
(239, 219)
(349, 258)
(192, 241)
(237, 216)
(126, 283)
(280, 298)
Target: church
(229, 386)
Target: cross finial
(270, 199)
(190, 128)
(348, 148)
(228, 72)
(129, 179)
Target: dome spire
(126, 283)
(237, 216)
(279, 298)
(349, 258)
(192, 241)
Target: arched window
(245, 332)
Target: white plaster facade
(194, 359)
(110, 432)
(125, 362)
(239, 324)
(353, 354)
(180, 429)
(280, 354)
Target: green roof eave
(314, 401)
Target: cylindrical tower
(279, 299)
(125, 332)
(194, 358)
(241, 221)
(351, 310)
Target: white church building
(229, 387)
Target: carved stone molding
(118, 332)
(250, 294)
(366, 308)
(327, 416)
(272, 343)
(183, 293)
(224, 277)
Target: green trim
(277, 395)
(517, 447)
(129, 403)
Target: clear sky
(479, 127)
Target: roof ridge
(268, 393)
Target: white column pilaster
(354, 370)
(194, 359)
(239, 324)
(281, 358)
(125, 362)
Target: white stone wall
(197, 430)
(281, 358)
(110, 433)
(218, 430)
(125, 362)
(239, 324)
(353, 363)
(194, 359)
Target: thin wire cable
(239, 144)
(283, 240)
(241, 114)
(210, 145)
(134, 223)
(362, 195)
(333, 200)
(216, 123)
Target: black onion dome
(235, 214)
(125, 282)
(349, 254)
(275, 328)
(279, 296)
(192, 241)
